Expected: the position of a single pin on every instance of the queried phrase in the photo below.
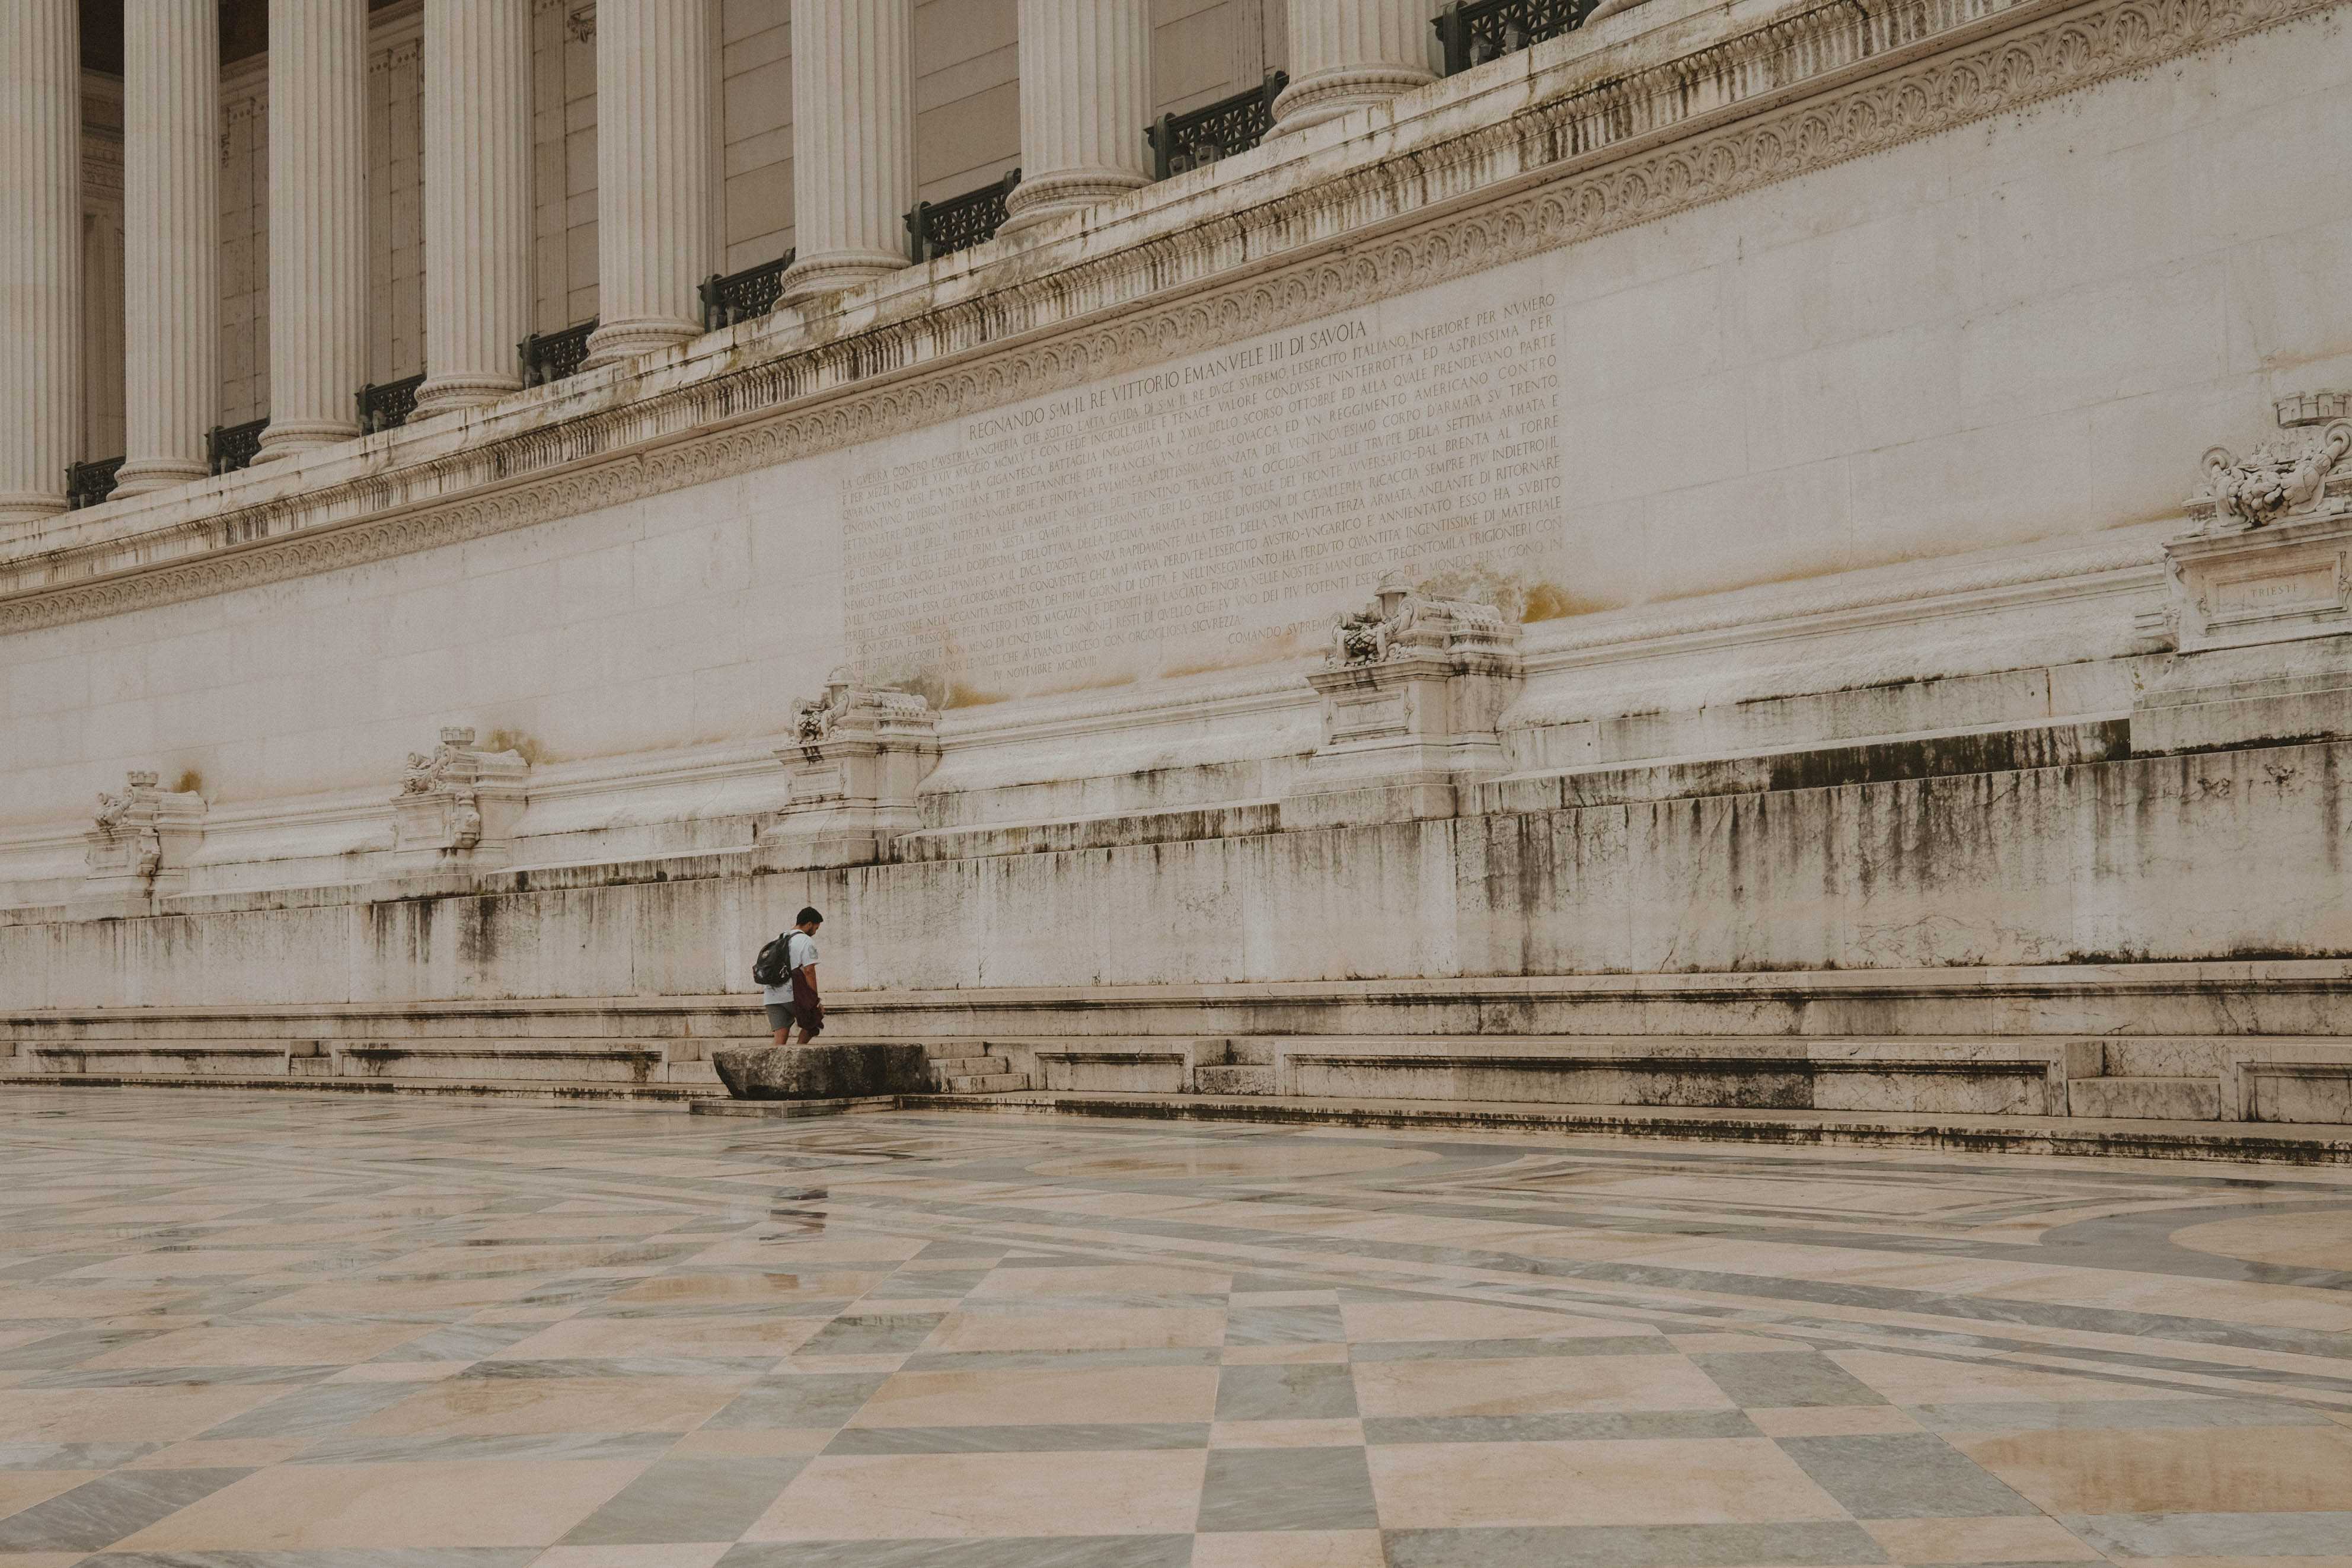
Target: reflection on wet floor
(258, 1330)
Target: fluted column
(652, 175)
(40, 255)
(318, 223)
(853, 142)
(171, 240)
(477, 218)
(1345, 53)
(1085, 96)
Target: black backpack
(768, 969)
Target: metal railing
(740, 296)
(1219, 130)
(229, 447)
(1475, 31)
(942, 228)
(388, 405)
(552, 356)
(87, 484)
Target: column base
(1049, 196)
(146, 474)
(29, 507)
(291, 438)
(1330, 94)
(441, 393)
(832, 271)
(617, 340)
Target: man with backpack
(786, 975)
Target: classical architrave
(1810, 88)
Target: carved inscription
(1211, 513)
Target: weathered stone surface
(823, 1072)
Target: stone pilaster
(318, 223)
(40, 255)
(858, 757)
(1345, 53)
(652, 175)
(1085, 96)
(853, 142)
(170, 183)
(478, 211)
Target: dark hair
(808, 917)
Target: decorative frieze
(2265, 560)
(457, 806)
(858, 757)
(1414, 687)
(141, 841)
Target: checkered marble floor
(257, 1331)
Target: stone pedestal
(823, 1072)
(40, 255)
(853, 142)
(1085, 94)
(171, 181)
(2261, 594)
(859, 755)
(1345, 53)
(318, 223)
(458, 806)
(140, 844)
(653, 173)
(1413, 689)
(477, 217)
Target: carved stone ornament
(2286, 477)
(457, 805)
(139, 842)
(858, 755)
(1401, 621)
(2268, 554)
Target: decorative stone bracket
(1412, 688)
(457, 806)
(2266, 562)
(142, 841)
(859, 753)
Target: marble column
(40, 255)
(652, 175)
(477, 215)
(853, 142)
(170, 240)
(1345, 53)
(318, 223)
(1085, 96)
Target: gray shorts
(783, 1015)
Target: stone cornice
(1451, 182)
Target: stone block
(823, 1072)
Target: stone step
(2146, 1099)
(1231, 1079)
(966, 1066)
(985, 1083)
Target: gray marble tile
(69, 1455)
(1305, 1392)
(309, 1412)
(625, 1367)
(1780, 1379)
(100, 1513)
(2054, 1414)
(1058, 1360)
(643, 1446)
(1508, 1349)
(1582, 1425)
(1903, 1475)
(689, 1497)
(1287, 1489)
(1804, 1545)
(347, 1557)
(1041, 1439)
(463, 1341)
(170, 1377)
(800, 1400)
(1284, 1325)
(1003, 1552)
(2282, 1535)
(879, 1333)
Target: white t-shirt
(800, 952)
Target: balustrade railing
(87, 484)
(389, 404)
(1475, 31)
(942, 228)
(1219, 130)
(740, 296)
(229, 447)
(552, 356)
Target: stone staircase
(955, 1071)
